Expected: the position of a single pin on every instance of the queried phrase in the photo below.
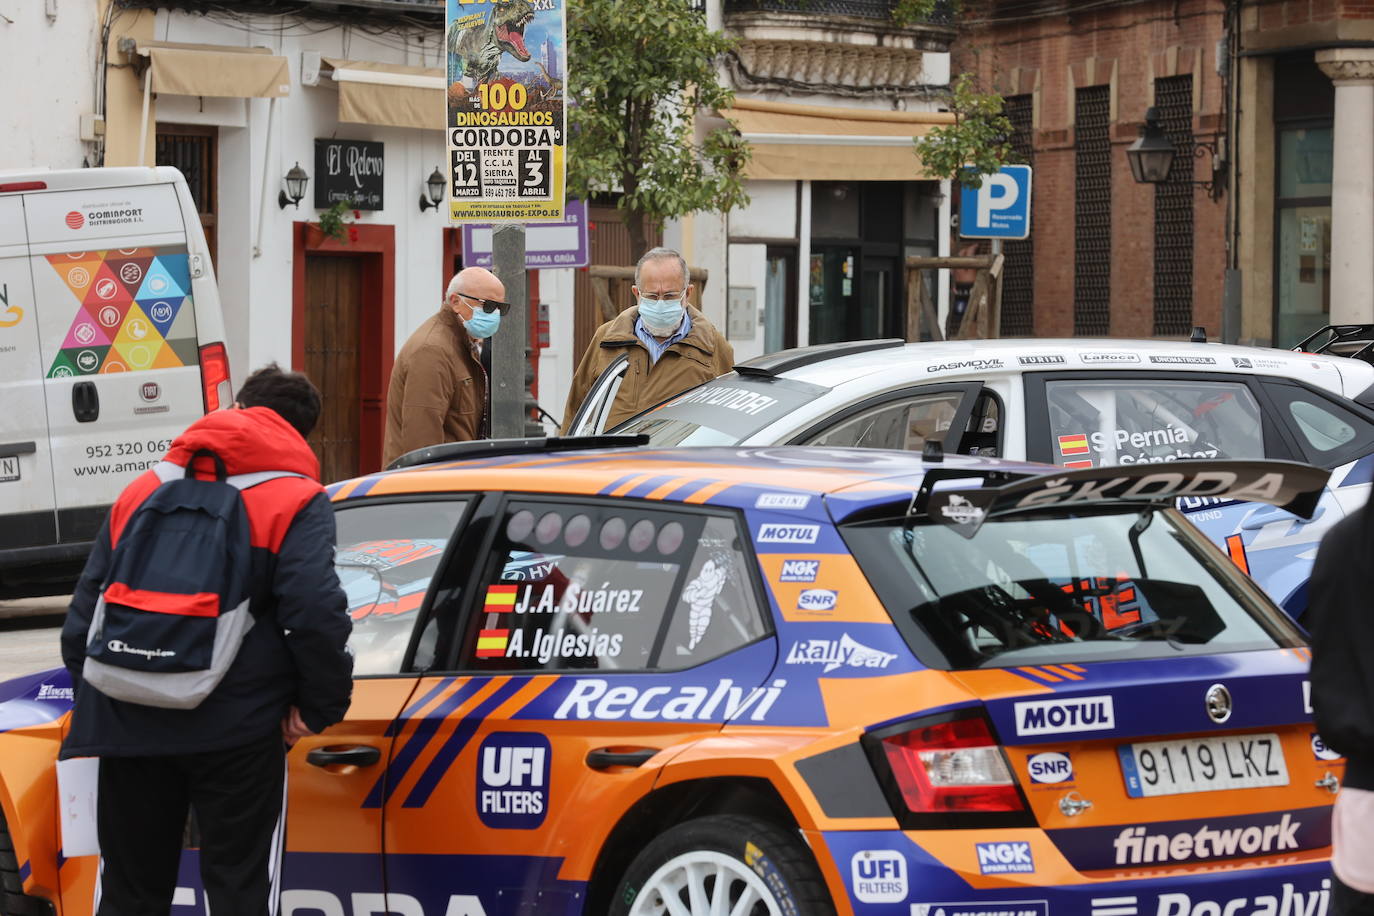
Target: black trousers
(1346, 901)
(239, 799)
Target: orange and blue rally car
(778, 681)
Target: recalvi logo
(1288, 902)
(1052, 717)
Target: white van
(111, 343)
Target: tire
(10, 882)
(739, 857)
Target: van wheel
(724, 864)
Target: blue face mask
(482, 324)
(661, 318)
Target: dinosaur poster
(506, 126)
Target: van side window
(611, 586)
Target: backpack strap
(166, 470)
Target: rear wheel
(723, 865)
(10, 882)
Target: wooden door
(333, 308)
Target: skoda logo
(1218, 702)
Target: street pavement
(29, 631)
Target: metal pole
(508, 355)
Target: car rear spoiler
(1353, 340)
(492, 448)
(1291, 486)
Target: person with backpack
(207, 633)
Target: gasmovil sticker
(799, 570)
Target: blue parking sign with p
(1000, 209)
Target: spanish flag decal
(492, 643)
(1076, 444)
(500, 599)
(1079, 464)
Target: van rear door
(117, 334)
(27, 516)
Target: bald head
(477, 282)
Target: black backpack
(174, 608)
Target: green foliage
(977, 143)
(907, 12)
(638, 72)
(334, 221)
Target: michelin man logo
(701, 594)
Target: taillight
(948, 770)
(214, 376)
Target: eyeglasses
(488, 305)
(664, 297)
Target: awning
(216, 70)
(392, 95)
(818, 143)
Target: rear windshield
(1066, 587)
(724, 411)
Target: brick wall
(1125, 47)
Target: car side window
(387, 554)
(1329, 433)
(1102, 422)
(905, 424)
(611, 586)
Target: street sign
(562, 244)
(1000, 209)
(506, 126)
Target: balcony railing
(943, 14)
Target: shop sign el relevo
(350, 171)
(505, 112)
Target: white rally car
(1075, 402)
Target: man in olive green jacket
(671, 346)
(438, 390)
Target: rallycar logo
(1053, 717)
(1138, 846)
(844, 652)
(788, 534)
(799, 570)
(879, 876)
(594, 698)
(51, 692)
(1005, 858)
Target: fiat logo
(150, 391)
(1218, 702)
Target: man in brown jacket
(671, 345)
(438, 390)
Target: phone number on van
(120, 449)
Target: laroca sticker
(1049, 768)
(782, 501)
(513, 780)
(1005, 858)
(788, 534)
(799, 570)
(879, 876)
(817, 599)
(1054, 717)
(1109, 356)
